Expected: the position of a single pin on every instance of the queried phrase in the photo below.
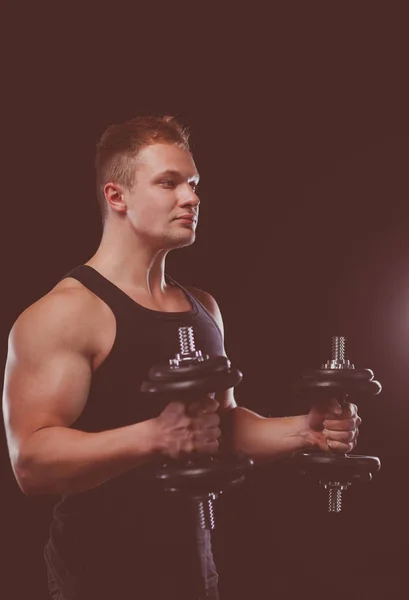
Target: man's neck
(130, 263)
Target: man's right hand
(186, 428)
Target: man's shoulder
(67, 297)
(63, 310)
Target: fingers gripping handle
(338, 378)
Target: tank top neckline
(131, 302)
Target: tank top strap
(101, 287)
(197, 305)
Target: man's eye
(194, 186)
(169, 183)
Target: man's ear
(115, 197)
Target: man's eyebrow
(178, 174)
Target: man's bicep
(46, 384)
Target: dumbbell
(338, 378)
(188, 375)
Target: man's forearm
(265, 439)
(59, 460)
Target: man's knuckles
(340, 446)
(340, 436)
(340, 424)
(205, 421)
(200, 407)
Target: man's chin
(183, 243)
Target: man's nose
(189, 197)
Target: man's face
(162, 205)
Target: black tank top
(131, 502)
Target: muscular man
(77, 424)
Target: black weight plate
(339, 374)
(200, 488)
(215, 382)
(334, 465)
(189, 371)
(211, 473)
(366, 387)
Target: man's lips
(187, 217)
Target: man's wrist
(150, 439)
(304, 434)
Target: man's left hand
(333, 427)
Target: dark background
(300, 132)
